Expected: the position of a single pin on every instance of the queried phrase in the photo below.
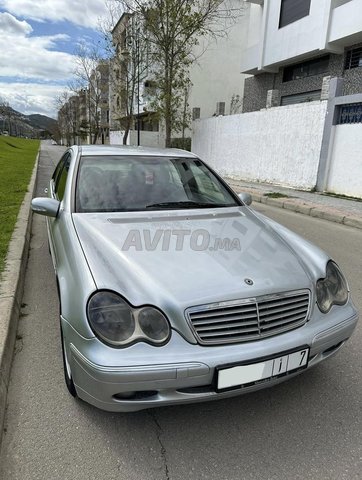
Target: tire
(67, 373)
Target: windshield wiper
(188, 204)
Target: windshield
(122, 184)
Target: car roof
(109, 150)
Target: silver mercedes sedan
(173, 290)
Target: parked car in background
(173, 290)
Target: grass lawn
(17, 159)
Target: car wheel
(67, 372)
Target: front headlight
(118, 324)
(153, 324)
(331, 290)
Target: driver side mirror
(45, 206)
(245, 198)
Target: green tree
(90, 63)
(173, 29)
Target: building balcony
(346, 24)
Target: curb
(11, 290)
(300, 206)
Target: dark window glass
(121, 184)
(301, 98)
(59, 167)
(353, 58)
(293, 10)
(61, 180)
(316, 66)
(196, 113)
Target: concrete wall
(116, 137)
(280, 145)
(346, 161)
(147, 139)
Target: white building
(293, 44)
(216, 77)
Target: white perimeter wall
(147, 139)
(345, 173)
(280, 145)
(116, 137)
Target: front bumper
(183, 373)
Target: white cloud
(27, 56)
(85, 13)
(33, 69)
(29, 98)
(34, 65)
(11, 25)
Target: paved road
(307, 428)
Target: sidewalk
(334, 209)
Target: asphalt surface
(306, 428)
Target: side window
(61, 177)
(59, 167)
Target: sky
(38, 39)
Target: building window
(220, 108)
(350, 113)
(196, 113)
(301, 98)
(306, 69)
(353, 58)
(293, 10)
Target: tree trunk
(168, 106)
(95, 138)
(125, 136)
(168, 132)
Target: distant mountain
(18, 124)
(42, 122)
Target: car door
(56, 191)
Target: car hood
(137, 255)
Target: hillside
(42, 122)
(18, 124)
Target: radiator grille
(251, 319)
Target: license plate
(242, 375)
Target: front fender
(313, 258)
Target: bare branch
(173, 29)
